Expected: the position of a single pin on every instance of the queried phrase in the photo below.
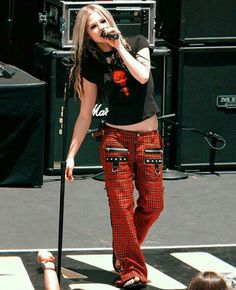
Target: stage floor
(91, 269)
(199, 216)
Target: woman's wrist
(70, 157)
(48, 266)
(120, 48)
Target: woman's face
(95, 24)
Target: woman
(130, 145)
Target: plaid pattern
(128, 159)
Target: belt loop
(157, 168)
(115, 166)
(158, 165)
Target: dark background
(19, 30)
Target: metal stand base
(171, 174)
(99, 176)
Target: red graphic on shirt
(119, 77)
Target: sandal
(134, 284)
(116, 263)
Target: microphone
(110, 35)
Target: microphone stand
(67, 64)
(169, 174)
(214, 139)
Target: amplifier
(135, 17)
(205, 89)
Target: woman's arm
(139, 67)
(50, 276)
(82, 124)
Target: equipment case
(132, 18)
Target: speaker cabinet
(206, 101)
(203, 21)
(22, 108)
(48, 67)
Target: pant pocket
(153, 161)
(116, 161)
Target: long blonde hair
(81, 41)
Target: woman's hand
(112, 41)
(69, 169)
(45, 256)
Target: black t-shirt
(129, 101)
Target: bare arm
(82, 124)
(139, 67)
(50, 279)
(50, 276)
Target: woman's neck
(104, 47)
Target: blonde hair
(81, 41)
(208, 281)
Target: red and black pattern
(128, 159)
(120, 77)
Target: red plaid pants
(132, 158)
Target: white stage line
(110, 249)
(92, 286)
(162, 280)
(203, 261)
(104, 261)
(13, 275)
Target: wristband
(48, 266)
